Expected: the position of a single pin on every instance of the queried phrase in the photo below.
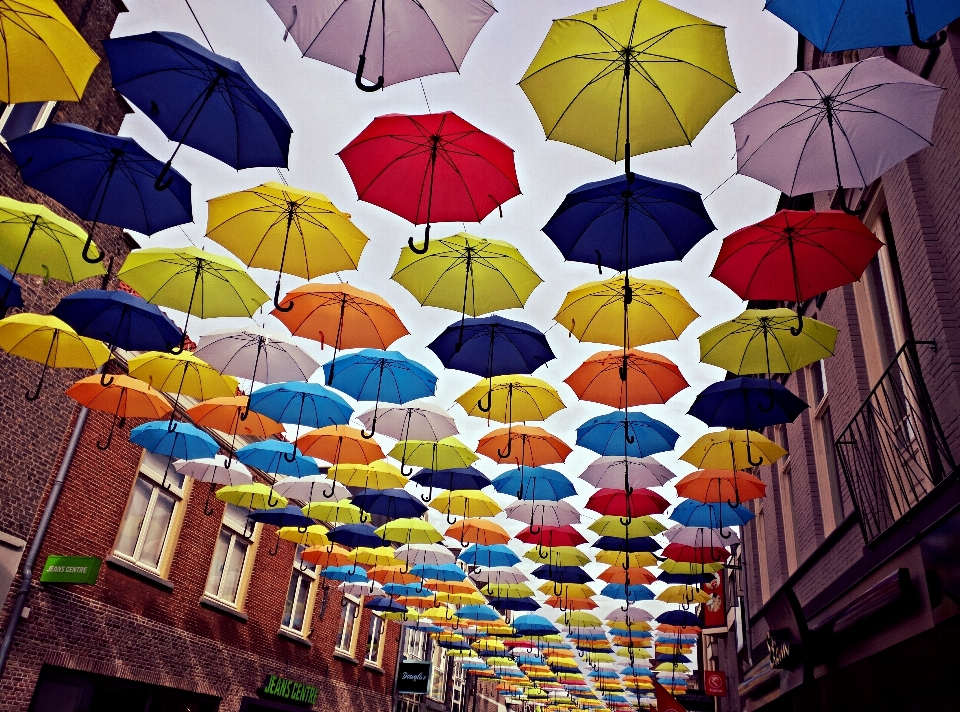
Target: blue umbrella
(271, 456)
(454, 644)
(631, 545)
(678, 639)
(405, 589)
(855, 24)
(492, 346)
(627, 434)
(184, 442)
(391, 503)
(457, 478)
(300, 403)
(122, 320)
(385, 604)
(534, 625)
(635, 670)
(10, 288)
(478, 613)
(489, 555)
(530, 483)
(747, 403)
(629, 593)
(200, 99)
(561, 575)
(682, 618)
(346, 574)
(289, 516)
(514, 604)
(714, 515)
(603, 674)
(354, 535)
(388, 376)
(672, 658)
(627, 222)
(529, 660)
(439, 572)
(102, 178)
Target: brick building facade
(847, 574)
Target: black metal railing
(894, 452)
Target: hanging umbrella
(465, 503)
(633, 574)
(312, 535)
(48, 340)
(641, 472)
(751, 403)
(468, 274)
(397, 161)
(715, 515)
(123, 321)
(410, 530)
(416, 421)
(537, 446)
(477, 531)
(102, 178)
(252, 496)
(684, 553)
(200, 99)
(638, 502)
(431, 554)
(344, 573)
(795, 255)
(272, 456)
(721, 486)
(534, 625)
(638, 378)
(639, 69)
(227, 416)
(390, 503)
(533, 483)
(613, 526)
(340, 512)
(216, 473)
(287, 230)
(123, 397)
(546, 536)
(299, 403)
(455, 478)
(514, 604)
(408, 41)
(551, 514)
(377, 475)
(762, 341)
(835, 128)
(631, 434)
(282, 517)
(35, 240)
(699, 536)
(354, 535)
(186, 442)
(192, 281)
(731, 450)
(442, 454)
(630, 543)
(855, 25)
(336, 444)
(490, 556)
(557, 556)
(504, 589)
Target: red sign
(665, 701)
(715, 683)
(715, 609)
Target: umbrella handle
(625, 521)
(429, 495)
(451, 522)
(405, 474)
(796, 330)
(104, 381)
(357, 611)
(505, 455)
(750, 457)
(46, 364)
(475, 569)
(426, 243)
(207, 509)
(373, 430)
(271, 502)
(293, 455)
(541, 552)
(364, 517)
(163, 182)
(359, 78)
(276, 547)
(486, 408)
(87, 257)
(276, 300)
(932, 43)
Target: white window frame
(380, 625)
(352, 617)
(237, 532)
(43, 117)
(153, 470)
(438, 680)
(300, 571)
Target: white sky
(326, 111)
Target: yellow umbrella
(489, 646)
(409, 615)
(183, 374)
(675, 667)
(762, 341)
(732, 450)
(568, 590)
(684, 595)
(632, 560)
(461, 599)
(558, 556)
(684, 567)
(507, 590)
(610, 525)
(315, 535)
(377, 475)
(512, 399)
(192, 281)
(47, 340)
(44, 57)
(465, 503)
(285, 229)
(252, 496)
(579, 619)
(634, 652)
(591, 657)
(446, 454)
(638, 68)
(342, 512)
(656, 311)
(35, 240)
(409, 531)
(378, 556)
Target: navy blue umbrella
(632, 545)
(561, 575)
(10, 288)
(684, 618)
(354, 535)
(746, 403)
(122, 320)
(514, 604)
(102, 178)
(627, 222)
(289, 516)
(385, 604)
(200, 99)
(392, 503)
(456, 478)
(685, 579)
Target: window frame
(41, 120)
(377, 661)
(824, 456)
(345, 616)
(310, 572)
(247, 569)
(151, 473)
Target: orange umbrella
(419, 602)
(616, 574)
(338, 444)
(538, 447)
(465, 586)
(571, 604)
(391, 574)
(680, 629)
(340, 315)
(478, 531)
(721, 486)
(224, 414)
(623, 379)
(324, 556)
(125, 397)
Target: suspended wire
(197, 20)
(721, 185)
(282, 178)
(189, 239)
(425, 97)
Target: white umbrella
(641, 471)
(312, 488)
(632, 614)
(413, 421)
(551, 514)
(842, 126)
(430, 554)
(500, 574)
(366, 588)
(701, 536)
(256, 355)
(214, 471)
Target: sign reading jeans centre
(413, 677)
(71, 569)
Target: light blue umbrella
(184, 442)
(299, 403)
(534, 625)
(271, 456)
(489, 555)
(644, 435)
(478, 613)
(405, 589)
(439, 572)
(346, 574)
(714, 515)
(530, 483)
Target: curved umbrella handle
(207, 509)
(364, 516)
(486, 408)
(104, 381)
(245, 411)
(599, 262)
(859, 210)
(276, 300)
(293, 455)
(451, 522)
(276, 547)
(426, 243)
(429, 495)
(271, 502)
(750, 457)
(505, 455)
(359, 78)
(932, 43)
(288, 28)
(405, 474)
(625, 521)
(87, 257)
(373, 430)
(799, 327)
(163, 182)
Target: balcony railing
(894, 452)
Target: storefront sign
(715, 683)
(290, 691)
(665, 701)
(71, 569)
(715, 609)
(413, 677)
(784, 651)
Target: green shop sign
(284, 689)
(71, 569)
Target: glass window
(146, 525)
(818, 383)
(229, 557)
(19, 119)
(375, 640)
(348, 624)
(438, 682)
(296, 612)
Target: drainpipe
(38, 537)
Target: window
(438, 680)
(762, 557)
(786, 510)
(823, 448)
(151, 519)
(230, 558)
(19, 119)
(300, 595)
(375, 641)
(349, 613)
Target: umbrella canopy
(490, 556)
(441, 454)
(552, 514)
(123, 397)
(609, 471)
(454, 478)
(537, 446)
(312, 489)
(633, 543)
(258, 355)
(628, 378)
(252, 496)
(48, 340)
(214, 471)
(478, 531)
(713, 515)
(377, 475)
(492, 346)
(532, 483)
(638, 503)
(511, 399)
(629, 434)
(607, 74)
(431, 554)
(405, 42)
(695, 554)
(389, 503)
(273, 456)
(102, 178)
(557, 556)
(838, 127)
(339, 443)
(700, 536)
(227, 415)
(431, 168)
(623, 223)
(751, 403)
(185, 442)
(289, 516)
(340, 512)
(200, 99)
(514, 604)
(285, 229)
(633, 574)
(416, 421)
(409, 531)
(534, 625)
(183, 374)
(354, 535)
(614, 526)
(762, 341)
(547, 536)
(300, 403)
(465, 503)
(439, 572)
(721, 486)
(732, 450)
(344, 573)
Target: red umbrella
(795, 255)
(431, 168)
(696, 554)
(547, 536)
(614, 501)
